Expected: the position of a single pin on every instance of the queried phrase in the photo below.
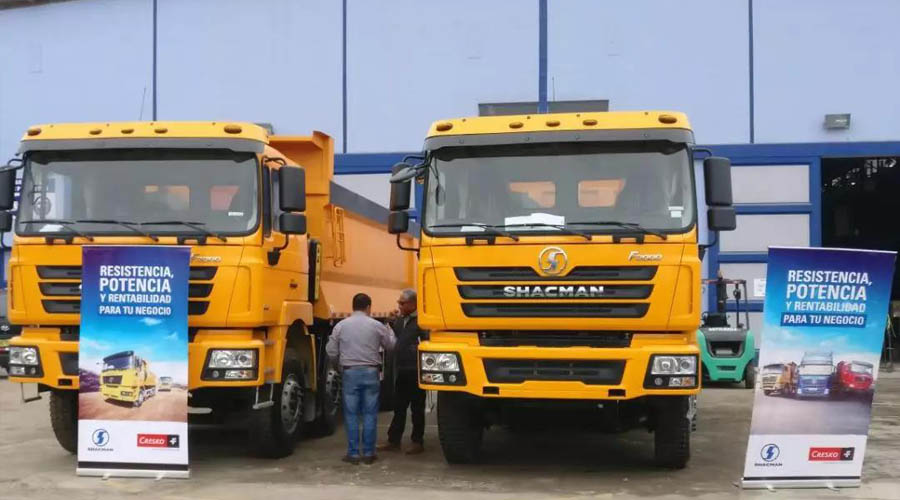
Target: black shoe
(350, 460)
(369, 460)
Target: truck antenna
(143, 98)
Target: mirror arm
(711, 244)
(408, 249)
(274, 255)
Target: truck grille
(73, 289)
(555, 310)
(583, 273)
(500, 338)
(514, 371)
(112, 379)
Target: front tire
(274, 431)
(672, 435)
(140, 399)
(64, 418)
(460, 427)
(749, 377)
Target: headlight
(674, 365)
(232, 358)
(439, 362)
(23, 356)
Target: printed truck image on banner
(823, 328)
(133, 361)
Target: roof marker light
(443, 127)
(590, 122)
(160, 130)
(95, 131)
(34, 131)
(127, 130)
(552, 123)
(233, 129)
(515, 124)
(669, 119)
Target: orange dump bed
(358, 254)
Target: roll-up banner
(133, 362)
(823, 329)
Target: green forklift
(727, 346)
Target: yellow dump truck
(277, 252)
(127, 377)
(559, 272)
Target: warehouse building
(800, 95)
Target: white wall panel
(770, 184)
(756, 233)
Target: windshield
(815, 370)
(215, 188)
(773, 368)
(861, 368)
(533, 187)
(816, 359)
(118, 363)
(166, 379)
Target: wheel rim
(291, 403)
(333, 389)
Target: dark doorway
(860, 205)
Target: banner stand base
(152, 474)
(772, 484)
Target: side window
(267, 202)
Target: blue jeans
(361, 387)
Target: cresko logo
(831, 454)
(635, 255)
(158, 441)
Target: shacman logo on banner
(831, 454)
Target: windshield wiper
(562, 228)
(123, 223)
(487, 227)
(627, 225)
(196, 226)
(67, 224)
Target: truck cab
(779, 378)
(854, 377)
(815, 374)
(559, 268)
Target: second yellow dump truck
(559, 272)
(277, 252)
(127, 377)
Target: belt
(360, 366)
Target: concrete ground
(567, 464)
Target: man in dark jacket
(407, 393)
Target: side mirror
(402, 172)
(721, 219)
(5, 222)
(400, 191)
(398, 222)
(292, 189)
(717, 172)
(292, 223)
(7, 189)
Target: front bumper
(636, 360)
(119, 393)
(58, 371)
(817, 391)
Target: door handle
(293, 284)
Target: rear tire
(328, 400)
(749, 377)
(64, 418)
(672, 435)
(460, 427)
(274, 431)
